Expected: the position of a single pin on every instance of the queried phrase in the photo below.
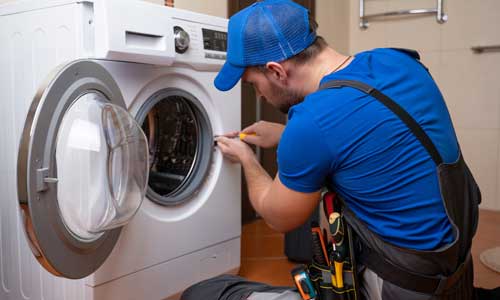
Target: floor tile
(262, 246)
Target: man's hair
(313, 50)
(308, 53)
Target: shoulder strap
(395, 108)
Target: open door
(82, 169)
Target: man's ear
(276, 71)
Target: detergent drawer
(134, 31)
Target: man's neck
(325, 63)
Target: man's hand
(234, 149)
(264, 134)
(282, 208)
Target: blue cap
(270, 30)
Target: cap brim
(228, 76)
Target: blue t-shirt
(373, 159)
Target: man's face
(270, 90)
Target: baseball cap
(269, 30)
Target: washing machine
(111, 187)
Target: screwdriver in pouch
(339, 247)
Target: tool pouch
(321, 276)
(334, 256)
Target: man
(374, 128)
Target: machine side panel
(33, 44)
(6, 266)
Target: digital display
(214, 40)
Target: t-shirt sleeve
(304, 159)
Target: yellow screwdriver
(240, 135)
(243, 135)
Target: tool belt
(332, 272)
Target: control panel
(201, 45)
(166, 36)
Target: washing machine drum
(82, 169)
(180, 145)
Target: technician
(372, 127)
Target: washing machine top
(141, 32)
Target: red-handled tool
(320, 253)
(336, 226)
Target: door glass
(102, 166)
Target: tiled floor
(488, 236)
(263, 259)
(262, 256)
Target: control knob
(181, 40)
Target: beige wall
(469, 82)
(213, 7)
(333, 19)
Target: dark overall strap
(395, 108)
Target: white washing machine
(111, 187)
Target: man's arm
(282, 208)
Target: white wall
(469, 82)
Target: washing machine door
(82, 169)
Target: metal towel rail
(481, 49)
(441, 17)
